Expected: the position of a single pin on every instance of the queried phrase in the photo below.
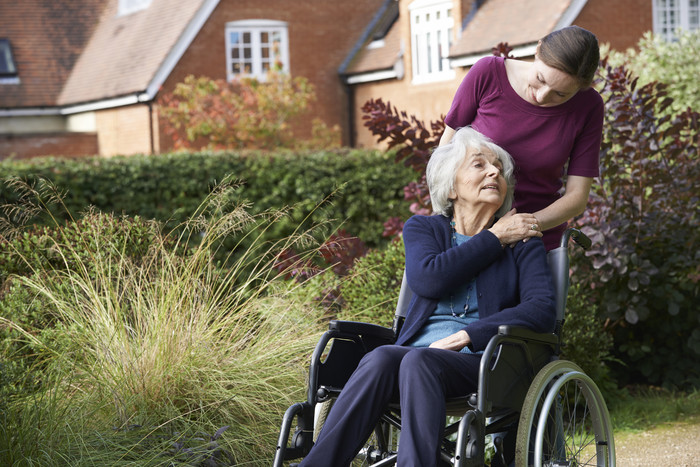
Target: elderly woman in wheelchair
(470, 272)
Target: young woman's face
(547, 86)
(479, 180)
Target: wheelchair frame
(521, 380)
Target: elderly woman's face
(479, 180)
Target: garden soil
(667, 445)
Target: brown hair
(573, 50)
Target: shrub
(244, 113)
(36, 252)
(414, 144)
(586, 342)
(370, 291)
(362, 188)
(156, 356)
(642, 216)
(656, 59)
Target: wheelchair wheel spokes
(564, 421)
(569, 437)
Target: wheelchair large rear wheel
(564, 421)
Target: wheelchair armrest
(528, 335)
(362, 329)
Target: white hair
(441, 172)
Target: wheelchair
(555, 411)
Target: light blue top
(452, 313)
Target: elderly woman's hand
(514, 227)
(456, 341)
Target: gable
(379, 49)
(127, 53)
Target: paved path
(668, 445)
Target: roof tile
(516, 22)
(379, 58)
(125, 52)
(46, 37)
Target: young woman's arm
(570, 205)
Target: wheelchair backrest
(558, 260)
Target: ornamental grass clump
(159, 350)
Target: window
(126, 7)
(8, 69)
(7, 63)
(670, 15)
(432, 26)
(254, 47)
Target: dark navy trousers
(421, 378)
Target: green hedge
(365, 187)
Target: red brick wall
(620, 23)
(321, 34)
(55, 144)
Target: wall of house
(318, 46)
(29, 145)
(428, 102)
(110, 132)
(620, 23)
(125, 130)
(32, 124)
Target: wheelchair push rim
(564, 421)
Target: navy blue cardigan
(514, 284)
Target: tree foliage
(244, 113)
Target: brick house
(85, 76)
(89, 73)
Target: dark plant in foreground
(338, 254)
(643, 219)
(414, 143)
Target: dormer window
(432, 28)
(126, 7)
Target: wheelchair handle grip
(577, 236)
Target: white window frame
(249, 57)
(127, 7)
(432, 30)
(670, 15)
